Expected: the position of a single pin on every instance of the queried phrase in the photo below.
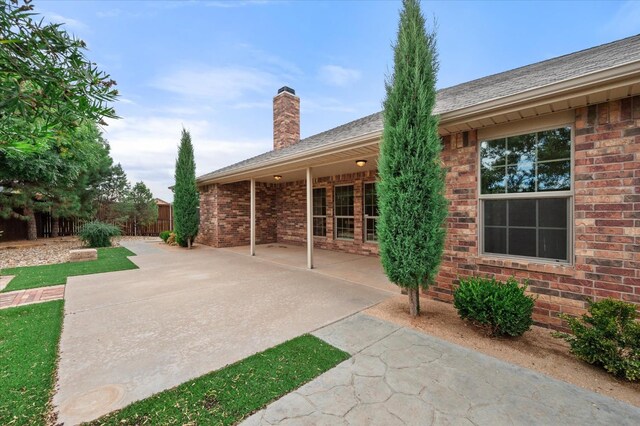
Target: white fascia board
(520, 100)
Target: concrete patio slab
(364, 270)
(130, 334)
(403, 377)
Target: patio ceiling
(336, 162)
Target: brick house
(543, 177)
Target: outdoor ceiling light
(361, 163)
(277, 177)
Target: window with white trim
(343, 212)
(525, 192)
(319, 212)
(370, 212)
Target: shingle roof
(474, 92)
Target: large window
(319, 212)
(370, 212)
(343, 209)
(525, 187)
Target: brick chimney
(286, 118)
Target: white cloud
(236, 3)
(147, 147)
(217, 84)
(270, 60)
(325, 104)
(252, 105)
(110, 13)
(625, 22)
(69, 23)
(336, 75)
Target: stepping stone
(82, 255)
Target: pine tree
(143, 208)
(186, 200)
(413, 207)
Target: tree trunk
(32, 231)
(55, 227)
(189, 243)
(414, 301)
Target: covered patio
(354, 268)
(310, 203)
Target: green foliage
(98, 234)
(109, 259)
(112, 196)
(186, 200)
(226, 396)
(503, 308)
(164, 235)
(608, 336)
(61, 178)
(143, 208)
(29, 338)
(47, 84)
(411, 197)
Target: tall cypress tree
(185, 199)
(413, 207)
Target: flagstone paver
(34, 295)
(398, 376)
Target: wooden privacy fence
(16, 229)
(129, 228)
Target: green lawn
(226, 396)
(109, 259)
(29, 338)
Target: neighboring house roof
(470, 94)
(161, 202)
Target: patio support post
(309, 219)
(252, 245)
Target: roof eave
(322, 149)
(505, 104)
(528, 98)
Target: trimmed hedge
(165, 235)
(501, 308)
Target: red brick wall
(225, 214)
(606, 224)
(291, 207)
(208, 230)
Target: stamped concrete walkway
(130, 334)
(399, 376)
(12, 299)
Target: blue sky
(214, 66)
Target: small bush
(181, 241)
(165, 235)
(98, 234)
(502, 308)
(607, 336)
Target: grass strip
(29, 337)
(109, 259)
(226, 396)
